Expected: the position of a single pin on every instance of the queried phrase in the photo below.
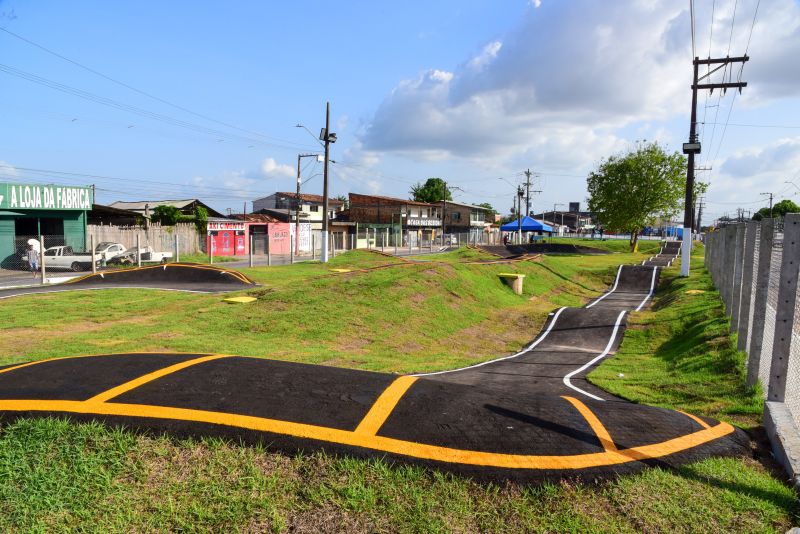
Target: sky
(194, 99)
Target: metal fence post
(42, 267)
(333, 244)
(269, 253)
(291, 248)
(727, 274)
(784, 317)
(91, 244)
(252, 242)
(760, 299)
(210, 246)
(747, 284)
(177, 248)
(736, 288)
(138, 250)
(313, 246)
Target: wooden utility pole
(693, 146)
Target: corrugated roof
(152, 204)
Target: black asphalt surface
(514, 251)
(196, 278)
(528, 417)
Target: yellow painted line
(695, 419)
(597, 427)
(384, 405)
(379, 443)
(155, 375)
(236, 274)
(20, 366)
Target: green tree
(778, 210)
(433, 190)
(200, 219)
(627, 191)
(490, 210)
(344, 200)
(166, 215)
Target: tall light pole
(327, 137)
(770, 202)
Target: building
(418, 222)
(57, 212)
(464, 218)
(145, 207)
(310, 207)
(572, 221)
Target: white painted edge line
(594, 360)
(520, 353)
(102, 289)
(652, 287)
(616, 281)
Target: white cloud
(273, 169)
(8, 170)
(571, 75)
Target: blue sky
(472, 91)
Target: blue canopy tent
(528, 225)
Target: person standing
(33, 260)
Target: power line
(141, 92)
(132, 109)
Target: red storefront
(227, 237)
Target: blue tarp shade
(528, 225)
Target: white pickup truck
(64, 257)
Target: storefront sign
(45, 197)
(217, 226)
(423, 222)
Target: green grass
(60, 476)
(682, 355)
(203, 258)
(438, 314)
(57, 476)
(646, 246)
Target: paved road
(529, 416)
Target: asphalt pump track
(190, 277)
(528, 417)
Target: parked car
(148, 255)
(63, 257)
(107, 250)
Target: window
(456, 215)
(313, 209)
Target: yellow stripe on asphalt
(597, 427)
(155, 375)
(379, 443)
(695, 419)
(384, 405)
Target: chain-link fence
(755, 267)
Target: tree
(434, 190)
(344, 200)
(201, 219)
(778, 210)
(166, 215)
(490, 210)
(627, 191)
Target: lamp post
(326, 138)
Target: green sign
(45, 197)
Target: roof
(528, 225)
(310, 198)
(256, 217)
(393, 199)
(473, 206)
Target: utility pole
(328, 137)
(770, 203)
(702, 204)
(444, 205)
(693, 146)
(520, 194)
